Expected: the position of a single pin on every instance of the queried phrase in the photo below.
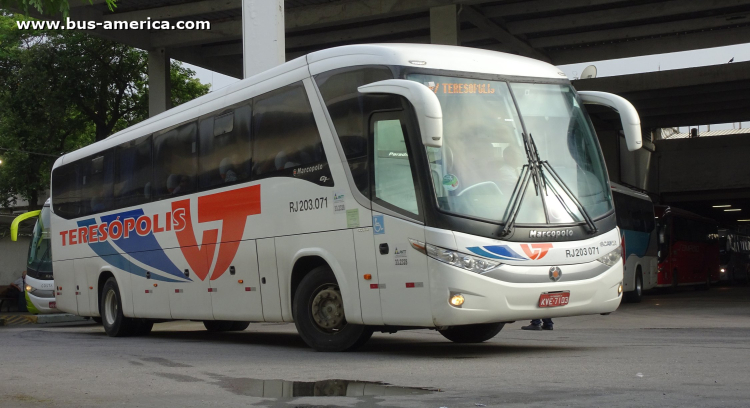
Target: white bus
(360, 188)
(636, 220)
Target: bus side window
(66, 193)
(350, 110)
(175, 161)
(97, 183)
(286, 135)
(133, 173)
(225, 148)
(393, 177)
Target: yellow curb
(17, 320)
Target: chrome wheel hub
(328, 309)
(110, 307)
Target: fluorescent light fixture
(743, 220)
(734, 209)
(722, 206)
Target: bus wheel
(319, 314)
(472, 333)
(675, 281)
(636, 295)
(224, 325)
(114, 322)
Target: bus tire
(636, 295)
(114, 322)
(318, 311)
(225, 325)
(472, 333)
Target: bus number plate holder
(554, 299)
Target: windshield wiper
(529, 172)
(535, 171)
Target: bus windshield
(483, 153)
(40, 250)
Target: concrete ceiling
(681, 97)
(560, 32)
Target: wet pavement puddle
(327, 388)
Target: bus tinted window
(350, 109)
(97, 183)
(66, 195)
(285, 132)
(175, 161)
(633, 213)
(133, 173)
(225, 148)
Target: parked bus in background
(39, 288)
(635, 217)
(734, 251)
(360, 188)
(688, 248)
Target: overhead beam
(619, 15)
(180, 10)
(513, 43)
(544, 6)
(642, 31)
(352, 11)
(82, 3)
(230, 30)
(650, 46)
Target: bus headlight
(455, 258)
(29, 289)
(723, 270)
(611, 258)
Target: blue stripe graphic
(145, 249)
(105, 251)
(497, 252)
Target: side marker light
(368, 276)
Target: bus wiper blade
(516, 198)
(589, 221)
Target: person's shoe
(532, 327)
(547, 327)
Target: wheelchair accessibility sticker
(378, 226)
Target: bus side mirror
(424, 101)
(631, 122)
(662, 236)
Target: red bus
(688, 248)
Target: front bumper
(39, 301)
(489, 300)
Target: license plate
(554, 299)
(53, 305)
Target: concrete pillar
(444, 25)
(263, 37)
(159, 92)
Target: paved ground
(676, 350)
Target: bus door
(235, 285)
(402, 271)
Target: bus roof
(629, 191)
(429, 56)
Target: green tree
(49, 7)
(60, 91)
